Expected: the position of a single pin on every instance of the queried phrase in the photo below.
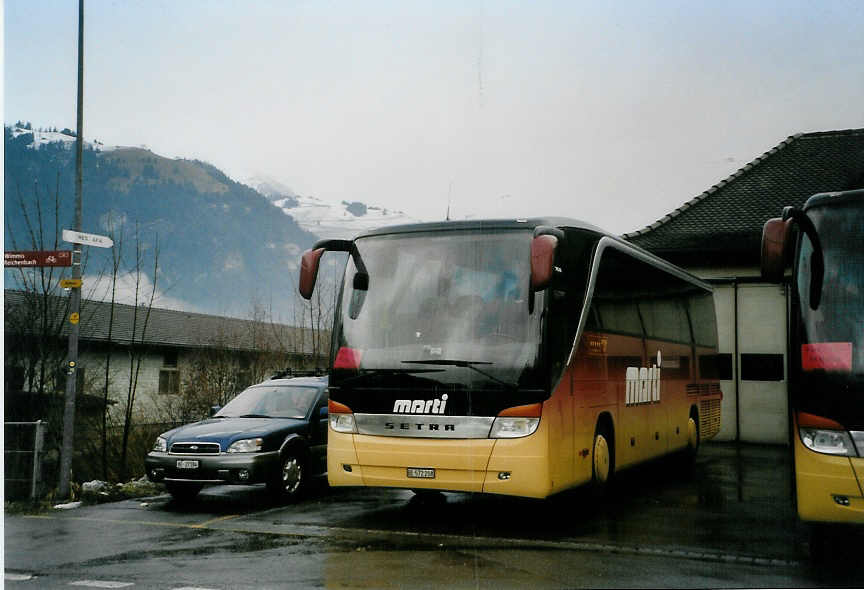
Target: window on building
(169, 374)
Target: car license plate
(187, 464)
(421, 473)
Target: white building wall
(751, 319)
(763, 414)
(724, 303)
(147, 397)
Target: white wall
(760, 328)
(147, 397)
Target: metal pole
(37, 459)
(68, 447)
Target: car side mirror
(322, 412)
(214, 410)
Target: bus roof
(529, 224)
(835, 198)
(513, 223)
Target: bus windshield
(448, 307)
(831, 337)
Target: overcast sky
(611, 112)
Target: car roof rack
(289, 372)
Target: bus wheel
(692, 437)
(428, 497)
(818, 544)
(602, 460)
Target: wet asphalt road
(728, 523)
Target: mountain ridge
(222, 246)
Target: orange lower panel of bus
(474, 465)
(458, 464)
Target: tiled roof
(166, 327)
(728, 217)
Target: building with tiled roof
(172, 328)
(168, 346)
(724, 223)
(717, 236)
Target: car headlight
(829, 442)
(161, 444)
(513, 427)
(247, 445)
(343, 423)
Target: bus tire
(693, 433)
(820, 543)
(602, 459)
(686, 457)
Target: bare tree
(136, 346)
(116, 258)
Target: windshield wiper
(370, 372)
(254, 416)
(467, 364)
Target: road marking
(9, 577)
(101, 584)
(323, 531)
(206, 523)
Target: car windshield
(270, 401)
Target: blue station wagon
(274, 432)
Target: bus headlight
(829, 442)
(343, 423)
(858, 439)
(512, 427)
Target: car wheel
(290, 482)
(183, 492)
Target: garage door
(762, 388)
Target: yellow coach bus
(826, 351)
(518, 357)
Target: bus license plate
(187, 464)
(421, 473)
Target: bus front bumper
(829, 488)
(495, 466)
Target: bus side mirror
(542, 261)
(309, 271)
(775, 244)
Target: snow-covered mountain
(343, 220)
(66, 137)
(324, 219)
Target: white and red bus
(519, 357)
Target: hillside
(222, 245)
